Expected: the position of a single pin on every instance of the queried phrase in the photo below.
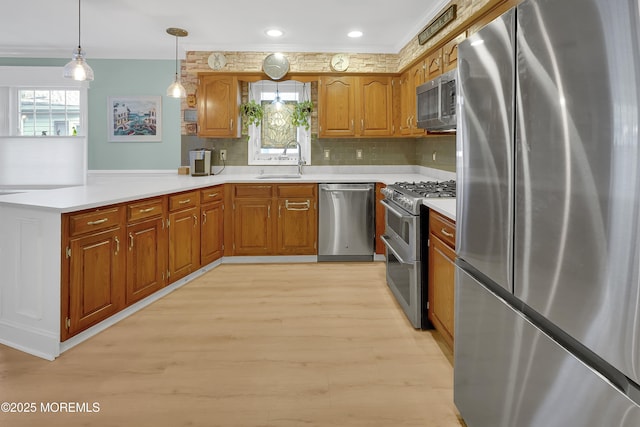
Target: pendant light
(277, 101)
(77, 68)
(176, 90)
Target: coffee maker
(200, 162)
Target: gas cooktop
(409, 195)
(427, 188)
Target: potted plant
(302, 113)
(251, 114)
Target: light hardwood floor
(267, 345)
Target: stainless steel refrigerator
(547, 322)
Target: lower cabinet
(297, 221)
(274, 219)
(441, 275)
(212, 224)
(146, 249)
(184, 234)
(93, 268)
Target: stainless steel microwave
(436, 103)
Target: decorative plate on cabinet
(275, 66)
(217, 60)
(340, 62)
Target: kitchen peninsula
(33, 250)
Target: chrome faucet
(300, 159)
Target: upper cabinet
(409, 81)
(450, 53)
(354, 106)
(443, 59)
(337, 106)
(218, 100)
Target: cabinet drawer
(146, 209)
(297, 190)
(253, 190)
(93, 221)
(443, 228)
(211, 194)
(183, 200)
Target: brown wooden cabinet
(352, 106)
(212, 224)
(218, 100)
(184, 234)
(274, 219)
(375, 96)
(146, 249)
(450, 53)
(93, 267)
(337, 106)
(410, 80)
(297, 221)
(441, 275)
(252, 219)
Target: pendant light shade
(176, 90)
(77, 68)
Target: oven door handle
(394, 210)
(387, 243)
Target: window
(277, 141)
(48, 112)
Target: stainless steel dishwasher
(346, 222)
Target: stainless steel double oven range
(407, 251)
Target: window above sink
(273, 142)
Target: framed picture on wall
(134, 118)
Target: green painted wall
(126, 78)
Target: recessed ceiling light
(355, 34)
(274, 32)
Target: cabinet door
(252, 227)
(218, 106)
(96, 275)
(146, 259)
(337, 106)
(441, 288)
(212, 232)
(184, 243)
(407, 95)
(417, 78)
(297, 226)
(376, 101)
(450, 53)
(433, 65)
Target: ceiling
(127, 29)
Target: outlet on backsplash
(223, 155)
(359, 154)
(327, 154)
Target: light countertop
(123, 186)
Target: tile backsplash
(438, 152)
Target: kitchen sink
(285, 176)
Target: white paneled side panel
(28, 282)
(30, 289)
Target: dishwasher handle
(345, 190)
